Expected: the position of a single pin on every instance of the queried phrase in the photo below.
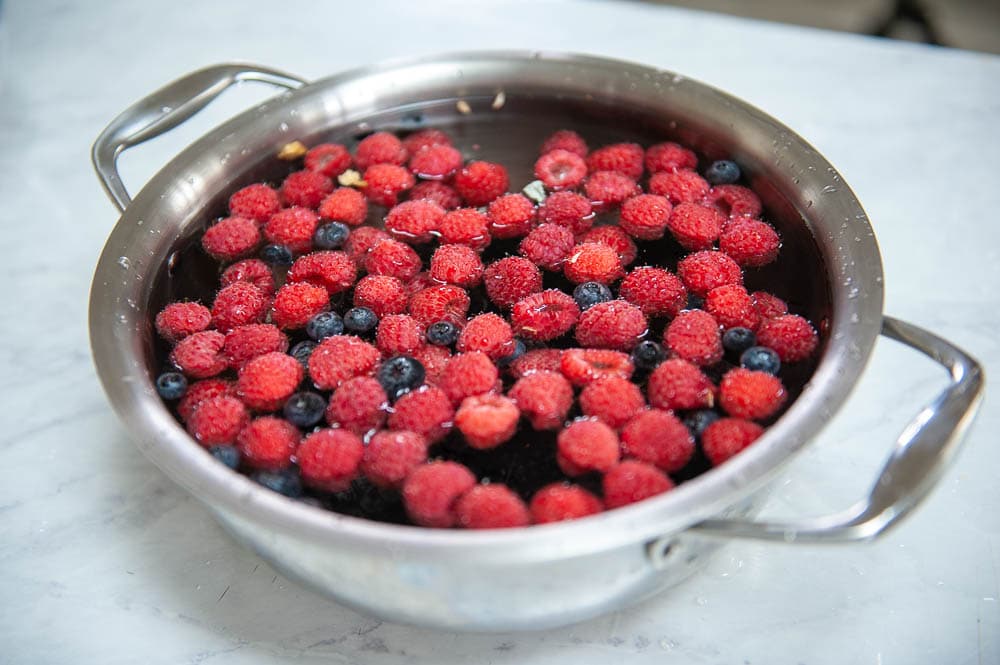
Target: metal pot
(539, 576)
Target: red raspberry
(385, 182)
(393, 258)
(492, 506)
(334, 271)
(361, 241)
(586, 445)
(265, 382)
(562, 501)
(199, 391)
(379, 148)
(544, 398)
(615, 324)
(305, 188)
(330, 459)
(254, 271)
(422, 280)
(734, 201)
(656, 291)
(415, 221)
(607, 189)
(246, 342)
(537, 360)
(593, 262)
(582, 366)
(679, 186)
(560, 169)
(231, 238)
(612, 400)
(567, 209)
(435, 162)
(217, 420)
(511, 279)
(330, 159)
(294, 304)
(694, 335)
(694, 226)
(399, 334)
(465, 226)
(391, 456)
(631, 482)
(488, 333)
(616, 239)
(624, 158)
(468, 374)
(728, 436)
(424, 138)
(199, 355)
(768, 305)
(257, 201)
(359, 405)
(345, 204)
(658, 437)
(544, 316)
(679, 384)
(750, 242)
(481, 182)
(440, 303)
(339, 358)
(268, 443)
(510, 216)
(790, 335)
(486, 421)
(237, 305)
(732, 307)
(436, 192)
(703, 271)
(645, 216)
(565, 139)
(457, 264)
(434, 359)
(381, 294)
(669, 156)
(426, 411)
(751, 395)
(292, 227)
(547, 246)
(180, 319)
(431, 490)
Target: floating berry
(382, 294)
(488, 333)
(537, 360)
(200, 355)
(592, 262)
(612, 400)
(340, 358)
(791, 336)
(703, 271)
(276, 255)
(324, 324)
(295, 303)
(562, 501)
(246, 342)
(722, 172)
(468, 374)
(751, 395)
(510, 279)
(615, 324)
(427, 411)
(750, 242)
(488, 420)
(330, 459)
(359, 405)
(393, 258)
(391, 456)
(180, 319)
(659, 438)
(631, 481)
(760, 359)
(544, 316)
(268, 443)
(379, 148)
(481, 182)
(727, 437)
(565, 139)
(586, 445)
(734, 201)
(399, 334)
(589, 294)
(647, 355)
(657, 291)
(436, 192)
(445, 302)
(431, 490)
(694, 336)
(465, 226)
(292, 227)
(414, 221)
(737, 340)
(669, 156)
(435, 162)
(231, 238)
(732, 306)
(434, 359)
(171, 385)
(519, 350)
(560, 169)
(330, 159)
(607, 189)
(334, 271)
(492, 506)
(257, 202)
(768, 305)
(697, 421)
(677, 384)
(360, 321)
(456, 264)
(548, 246)
(679, 186)
(582, 366)
(510, 216)
(625, 158)
(202, 390)
(265, 382)
(345, 204)
(543, 397)
(645, 216)
(616, 239)
(442, 333)
(254, 271)
(302, 351)
(694, 226)
(217, 420)
(400, 375)
(331, 235)
(238, 304)
(567, 209)
(385, 182)
(304, 409)
(305, 188)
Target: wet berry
(761, 359)
(648, 354)
(442, 333)
(331, 235)
(171, 385)
(360, 321)
(400, 375)
(589, 294)
(722, 172)
(276, 255)
(737, 340)
(304, 409)
(324, 324)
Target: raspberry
(586, 445)
(246, 342)
(294, 304)
(544, 398)
(330, 459)
(334, 271)
(615, 324)
(422, 280)
(694, 226)
(431, 490)
(329, 159)
(750, 242)
(385, 182)
(679, 384)
(612, 400)
(268, 443)
(544, 316)
(658, 437)
(728, 436)
(732, 307)
(547, 246)
(381, 294)
(266, 381)
(703, 271)
(537, 360)
(379, 148)
(440, 303)
(293, 228)
(457, 264)
(391, 456)
(238, 304)
(744, 393)
(481, 182)
(565, 139)
(631, 482)
(436, 192)
(562, 501)
(180, 319)
(669, 157)
(567, 209)
(734, 201)
(488, 333)
(607, 189)
(217, 420)
(694, 336)
(231, 238)
(305, 188)
(254, 271)
(345, 204)
(257, 202)
(486, 421)
(511, 279)
(359, 405)
(560, 169)
(679, 186)
(361, 241)
(414, 221)
(592, 262)
(199, 355)
(645, 216)
(426, 411)
(616, 239)
(399, 334)
(424, 138)
(393, 258)
(339, 358)
(199, 391)
(468, 374)
(492, 506)
(790, 335)
(657, 292)
(768, 305)
(435, 162)
(434, 359)
(465, 226)
(582, 366)
(624, 158)
(510, 216)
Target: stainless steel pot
(540, 576)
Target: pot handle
(923, 451)
(166, 108)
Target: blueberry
(695, 302)
(589, 294)
(305, 409)
(761, 359)
(737, 340)
(399, 375)
(302, 351)
(331, 235)
(722, 172)
(442, 333)
(324, 324)
(276, 255)
(519, 350)
(697, 421)
(228, 455)
(647, 355)
(360, 320)
(285, 482)
(171, 385)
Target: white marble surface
(103, 560)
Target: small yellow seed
(351, 178)
(463, 107)
(499, 101)
(292, 151)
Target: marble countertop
(102, 559)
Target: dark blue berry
(171, 385)
(722, 172)
(519, 350)
(285, 482)
(737, 340)
(695, 302)
(442, 333)
(697, 421)
(761, 359)
(399, 375)
(648, 355)
(305, 409)
(360, 320)
(276, 255)
(331, 235)
(589, 294)
(324, 324)
(302, 351)
(228, 455)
